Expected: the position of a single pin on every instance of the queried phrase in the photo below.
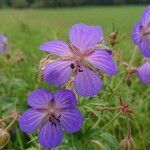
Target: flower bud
(128, 80)
(4, 138)
(112, 38)
(113, 35)
(127, 144)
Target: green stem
(117, 116)
(107, 108)
(100, 145)
(19, 140)
(130, 63)
(128, 126)
(118, 85)
(103, 109)
(133, 56)
(11, 124)
(34, 142)
(96, 123)
(7, 117)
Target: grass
(27, 29)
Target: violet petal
(39, 98)
(103, 61)
(136, 35)
(143, 73)
(50, 136)
(145, 48)
(30, 120)
(65, 99)
(59, 48)
(85, 37)
(57, 73)
(71, 120)
(87, 83)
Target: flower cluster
(78, 65)
(79, 61)
(141, 37)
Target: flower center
(146, 59)
(78, 58)
(52, 114)
(145, 31)
(54, 120)
(76, 67)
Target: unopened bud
(127, 144)
(125, 64)
(113, 38)
(113, 35)
(133, 70)
(4, 138)
(128, 80)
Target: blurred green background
(26, 29)
(66, 3)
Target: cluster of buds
(4, 130)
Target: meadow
(26, 29)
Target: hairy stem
(128, 126)
(117, 116)
(124, 76)
(133, 56)
(11, 124)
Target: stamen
(54, 120)
(109, 51)
(72, 66)
(80, 70)
(58, 118)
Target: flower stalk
(116, 117)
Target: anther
(54, 120)
(80, 70)
(72, 66)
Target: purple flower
(141, 33)
(51, 114)
(3, 43)
(80, 59)
(143, 72)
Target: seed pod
(4, 138)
